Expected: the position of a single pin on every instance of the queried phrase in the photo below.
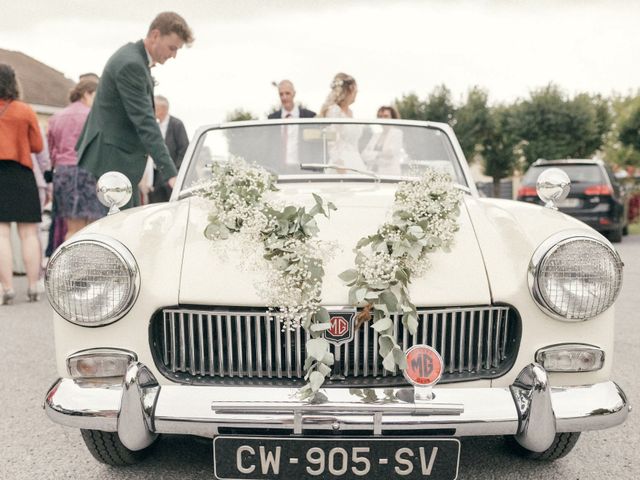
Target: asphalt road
(32, 447)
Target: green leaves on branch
(423, 218)
(286, 238)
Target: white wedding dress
(344, 149)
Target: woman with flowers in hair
(343, 150)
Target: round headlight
(92, 281)
(575, 277)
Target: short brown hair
(86, 85)
(170, 22)
(392, 110)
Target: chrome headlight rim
(549, 246)
(123, 254)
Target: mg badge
(424, 366)
(341, 330)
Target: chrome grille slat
(267, 333)
(220, 350)
(278, 351)
(183, 346)
(298, 352)
(210, 344)
(201, 345)
(229, 346)
(247, 344)
(238, 335)
(247, 347)
(258, 345)
(165, 338)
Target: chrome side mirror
(553, 186)
(114, 190)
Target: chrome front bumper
(139, 409)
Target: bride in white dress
(343, 150)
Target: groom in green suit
(122, 130)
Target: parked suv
(596, 196)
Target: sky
(391, 47)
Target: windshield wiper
(324, 166)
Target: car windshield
(578, 173)
(316, 150)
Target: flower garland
(424, 218)
(285, 238)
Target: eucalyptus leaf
(389, 361)
(317, 348)
(349, 276)
(383, 324)
(322, 315)
(324, 369)
(390, 301)
(316, 379)
(328, 358)
(399, 358)
(320, 327)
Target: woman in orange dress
(19, 201)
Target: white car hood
(211, 274)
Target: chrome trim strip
(201, 410)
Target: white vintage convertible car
(157, 332)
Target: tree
(439, 106)
(410, 107)
(502, 147)
(556, 127)
(473, 122)
(630, 128)
(239, 115)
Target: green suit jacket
(121, 129)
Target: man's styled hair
(170, 22)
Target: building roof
(40, 84)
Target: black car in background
(596, 196)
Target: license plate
(253, 458)
(569, 203)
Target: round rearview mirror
(553, 186)
(114, 190)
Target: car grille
(250, 347)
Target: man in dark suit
(289, 109)
(176, 140)
(122, 130)
(287, 152)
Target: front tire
(107, 448)
(561, 446)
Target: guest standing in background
(19, 200)
(176, 140)
(383, 153)
(289, 109)
(74, 194)
(290, 134)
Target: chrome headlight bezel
(122, 254)
(550, 246)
